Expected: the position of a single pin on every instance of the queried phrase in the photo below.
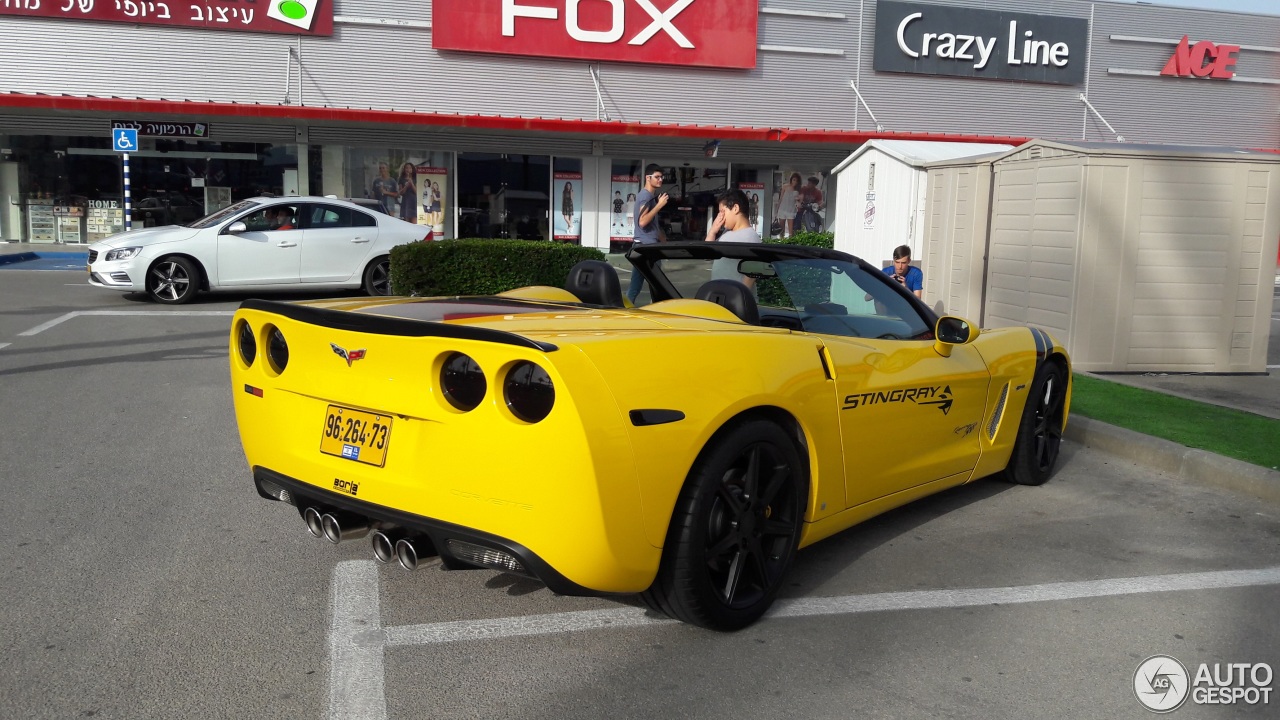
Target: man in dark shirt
(648, 203)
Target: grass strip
(1233, 433)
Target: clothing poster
(566, 206)
(432, 184)
(799, 202)
(753, 191)
(622, 207)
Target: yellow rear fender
(672, 418)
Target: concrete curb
(1197, 466)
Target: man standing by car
(647, 232)
(911, 277)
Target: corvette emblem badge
(349, 355)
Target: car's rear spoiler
(383, 325)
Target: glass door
(504, 195)
(692, 186)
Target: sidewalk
(14, 248)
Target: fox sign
(708, 33)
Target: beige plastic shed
(957, 209)
(1138, 257)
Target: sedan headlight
(122, 253)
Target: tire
(377, 277)
(735, 530)
(173, 280)
(1035, 451)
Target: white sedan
(258, 244)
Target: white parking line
(356, 644)
(119, 313)
(4, 345)
(357, 640)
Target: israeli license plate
(356, 435)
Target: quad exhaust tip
(412, 550)
(337, 527)
(384, 545)
(312, 517)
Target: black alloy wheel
(377, 277)
(1035, 452)
(735, 531)
(173, 280)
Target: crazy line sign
(960, 42)
(707, 33)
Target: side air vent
(999, 412)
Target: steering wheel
(888, 336)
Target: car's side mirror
(236, 228)
(951, 331)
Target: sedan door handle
(359, 240)
(286, 244)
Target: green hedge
(482, 266)
(810, 239)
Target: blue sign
(124, 140)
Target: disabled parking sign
(124, 139)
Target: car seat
(732, 295)
(595, 282)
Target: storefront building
(534, 118)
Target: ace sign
(708, 33)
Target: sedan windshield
(209, 221)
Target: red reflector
(256, 392)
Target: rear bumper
(304, 494)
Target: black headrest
(733, 295)
(595, 282)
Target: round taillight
(529, 392)
(277, 350)
(462, 381)
(247, 342)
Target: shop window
(72, 189)
(799, 201)
(412, 185)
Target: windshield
(209, 221)
(818, 295)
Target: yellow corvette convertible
(769, 397)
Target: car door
(268, 252)
(337, 242)
(908, 415)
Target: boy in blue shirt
(903, 272)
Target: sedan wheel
(1035, 452)
(173, 281)
(377, 277)
(735, 531)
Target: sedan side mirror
(236, 228)
(951, 331)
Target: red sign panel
(708, 33)
(284, 17)
(1203, 59)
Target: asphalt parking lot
(144, 577)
